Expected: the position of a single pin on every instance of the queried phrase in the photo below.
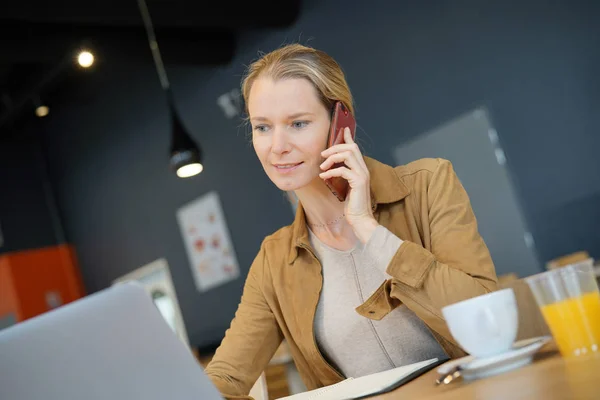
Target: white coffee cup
(485, 325)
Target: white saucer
(473, 368)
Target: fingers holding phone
(347, 153)
(345, 161)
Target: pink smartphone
(341, 118)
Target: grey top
(356, 345)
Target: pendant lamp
(186, 156)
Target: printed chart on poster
(207, 242)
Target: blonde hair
(298, 61)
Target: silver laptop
(113, 345)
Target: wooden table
(548, 377)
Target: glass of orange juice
(570, 302)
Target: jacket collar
(386, 188)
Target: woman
(355, 287)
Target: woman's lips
(286, 168)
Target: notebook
(369, 385)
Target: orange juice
(575, 323)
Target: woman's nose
(280, 143)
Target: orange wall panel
(8, 298)
(45, 272)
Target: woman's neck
(322, 209)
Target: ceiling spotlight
(85, 59)
(42, 111)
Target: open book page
(363, 386)
(315, 394)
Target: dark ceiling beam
(172, 13)
(47, 43)
(38, 37)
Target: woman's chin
(287, 187)
(290, 184)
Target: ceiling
(39, 38)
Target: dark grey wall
(26, 218)
(411, 67)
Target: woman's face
(289, 130)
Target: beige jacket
(443, 260)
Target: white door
(471, 143)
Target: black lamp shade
(186, 157)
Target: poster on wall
(207, 242)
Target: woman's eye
(260, 128)
(300, 124)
